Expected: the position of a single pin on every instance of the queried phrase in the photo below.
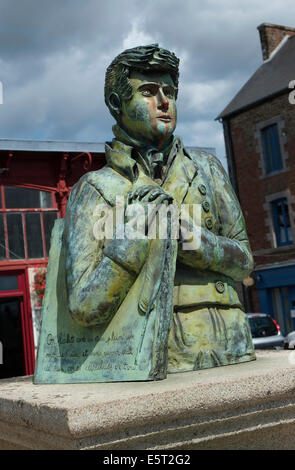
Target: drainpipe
(230, 155)
(247, 300)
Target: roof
(211, 150)
(64, 146)
(51, 146)
(272, 78)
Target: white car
(290, 340)
(266, 333)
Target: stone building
(259, 131)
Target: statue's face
(150, 115)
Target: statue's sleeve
(227, 252)
(99, 274)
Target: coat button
(219, 286)
(202, 189)
(209, 223)
(206, 206)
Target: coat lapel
(123, 174)
(180, 176)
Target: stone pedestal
(245, 406)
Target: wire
(10, 251)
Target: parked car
(290, 340)
(266, 333)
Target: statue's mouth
(164, 118)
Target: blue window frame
(281, 222)
(272, 149)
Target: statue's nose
(165, 105)
(163, 101)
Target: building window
(281, 222)
(26, 220)
(271, 148)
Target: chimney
(271, 35)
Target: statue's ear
(115, 103)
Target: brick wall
(271, 35)
(254, 188)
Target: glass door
(16, 332)
(283, 302)
(11, 337)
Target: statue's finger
(145, 191)
(154, 194)
(129, 198)
(161, 199)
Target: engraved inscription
(101, 359)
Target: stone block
(244, 406)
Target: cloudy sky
(53, 56)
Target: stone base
(244, 406)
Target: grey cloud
(42, 27)
(53, 56)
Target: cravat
(157, 165)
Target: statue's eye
(169, 92)
(147, 92)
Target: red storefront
(35, 180)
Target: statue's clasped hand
(149, 197)
(149, 194)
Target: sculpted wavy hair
(143, 59)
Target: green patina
(139, 116)
(118, 310)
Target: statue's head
(140, 91)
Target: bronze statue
(134, 308)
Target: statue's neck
(145, 150)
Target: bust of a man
(150, 305)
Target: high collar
(123, 154)
(118, 157)
(143, 150)
(143, 153)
